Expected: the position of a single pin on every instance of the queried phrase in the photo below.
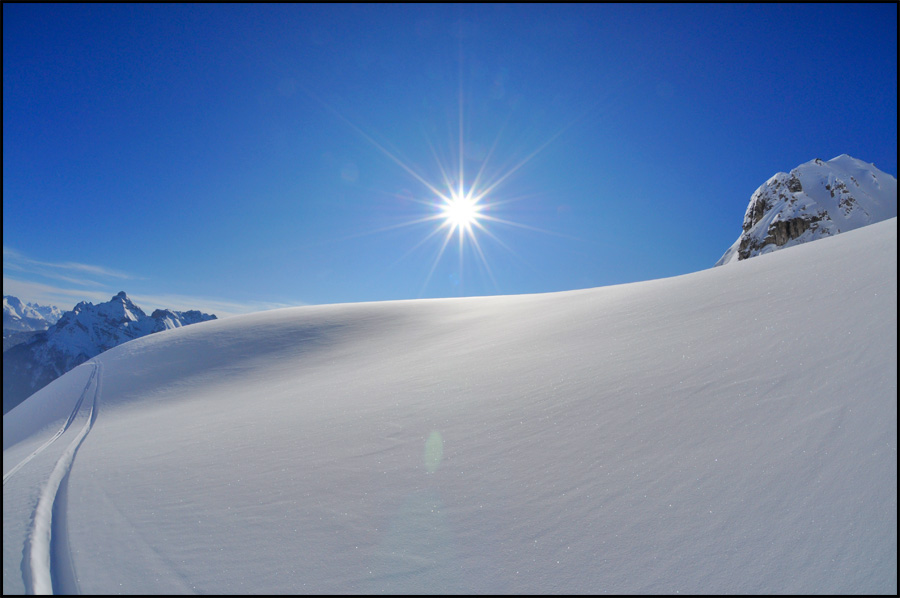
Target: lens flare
(434, 451)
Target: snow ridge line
(59, 432)
(38, 546)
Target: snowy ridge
(91, 329)
(19, 316)
(728, 431)
(815, 200)
(166, 319)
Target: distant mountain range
(19, 316)
(75, 336)
(817, 199)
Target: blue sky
(232, 158)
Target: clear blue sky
(237, 157)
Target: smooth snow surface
(728, 431)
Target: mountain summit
(817, 199)
(79, 335)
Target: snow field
(727, 431)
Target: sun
(460, 211)
(465, 208)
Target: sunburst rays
(458, 207)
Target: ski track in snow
(59, 433)
(46, 555)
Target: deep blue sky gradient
(234, 157)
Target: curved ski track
(48, 537)
(59, 432)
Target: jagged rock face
(79, 335)
(815, 200)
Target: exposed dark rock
(785, 230)
(755, 211)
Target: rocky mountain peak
(814, 200)
(121, 309)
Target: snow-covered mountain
(19, 316)
(817, 199)
(77, 336)
(730, 431)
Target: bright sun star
(460, 211)
(465, 208)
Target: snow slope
(728, 431)
(78, 335)
(815, 200)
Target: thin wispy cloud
(37, 280)
(66, 298)
(81, 281)
(11, 257)
(52, 275)
(99, 270)
(33, 282)
(220, 307)
(45, 294)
